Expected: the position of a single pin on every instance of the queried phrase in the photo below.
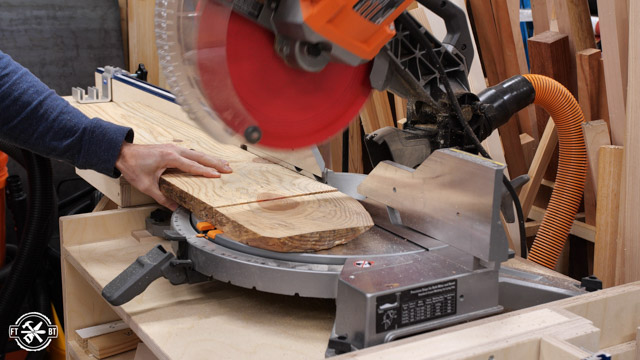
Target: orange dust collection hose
(572, 169)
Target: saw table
(191, 321)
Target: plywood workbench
(202, 321)
(218, 321)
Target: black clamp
(157, 263)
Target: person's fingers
(206, 160)
(191, 167)
(154, 191)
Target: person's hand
(142, 166)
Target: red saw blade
(247, 83)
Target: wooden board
(628, 245)
(541, 10)
(614, 32)
(142, 40)
(103, 346)
(355, 144)
(609, 178)
(117, 189)
(124, 26)
(574, 19)
(539, 164)
(376, 112)
(549, 55)
(503, 56)
(592, 94)
(258, 189)
(291, 224)
(596, 135)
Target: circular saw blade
(246, 83)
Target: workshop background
(63, 41)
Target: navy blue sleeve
(32, 116)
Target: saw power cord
(408, 21)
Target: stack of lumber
(106, 340)
(261, 203)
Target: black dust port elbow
(506, 99)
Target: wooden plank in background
(592, 95)
(541, 9)
(142, 40)
(124, 25)
(574, 19)
(335, 144)
(400, 107)
(609, 179)
(549, 55)
(596, 135)
(614, 34)
(376, 112)
(258, 201)
(355, 144)
(106, 345)
(629, 228)
(538, 166)
(528, 147)
(502, 59)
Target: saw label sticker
(416, 305)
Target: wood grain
(254, 180)
(355, 144)
(503, 58)
(550, 56)
(400, 107)
(596, 135)
(614, 32)
(629, 228)
(540, 10)
(609, 178)
(574, 19)
(106, 345)
(284, 225)
(538, 167)
(592, 95)
(376, 112)
(142, 40)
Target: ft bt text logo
(33, 331)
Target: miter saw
(290, 73)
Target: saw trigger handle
(458, 35)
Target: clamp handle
(138, 276)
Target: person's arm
(33, 117)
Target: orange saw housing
(361, 27)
